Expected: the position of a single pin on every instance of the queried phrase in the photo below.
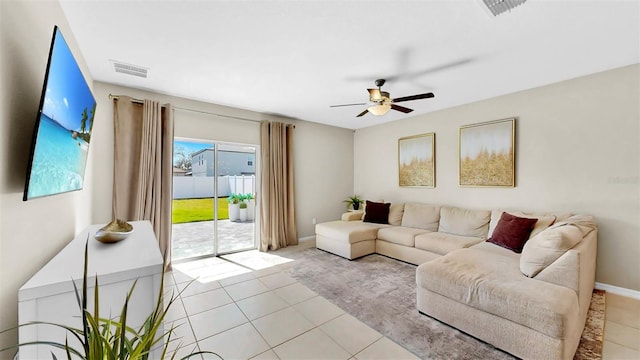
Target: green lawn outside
(190, 210)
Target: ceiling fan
(383, 102)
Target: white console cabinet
(49, 295)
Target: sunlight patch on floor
(257, 260)
(208, 270)
(227, 266)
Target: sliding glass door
(214, 189)
(236, 172)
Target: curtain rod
(138, 101)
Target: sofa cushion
(353, 215)
(443, 243)
(493, 283)
(562, 216)
(396, 212)
(458, 221)
(348, 231)
(544, 220)
(363, 206)
(512, 232)
(421, 216)
(376, 212)
(400, 235)
(495, 249)
(546, 247)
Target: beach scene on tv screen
(64, 128)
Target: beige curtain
(277, 205)
(143, 165)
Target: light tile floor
(622, 328)
(246, 307)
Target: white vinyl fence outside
(190, 187)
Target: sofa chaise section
(482, 291)
(349, 239)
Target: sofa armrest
(565, 271)
(352, 215)
(576, 269)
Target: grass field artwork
(487, 154)
(416, 160)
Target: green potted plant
(233, 201)
(113, 339)
(354, 201)
(251, 205)
(243, 211)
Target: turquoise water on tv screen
(59, 160)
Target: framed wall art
(487, 154)
(416, 160)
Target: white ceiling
(298, 58)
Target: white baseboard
(307, 238)
(618, 290)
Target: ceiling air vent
(497, 7)
(129, 69)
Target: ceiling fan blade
(363, 113)
(414, 97)
(401, 108)
(415, 74)
(348, 105)
(404, 63)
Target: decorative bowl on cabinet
(114, 231)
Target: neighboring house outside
(179, 172)
(230, 162)
(236, 173)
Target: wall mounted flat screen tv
(63, 127)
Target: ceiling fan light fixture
(374, 95)
(379, 109)
(382, 101)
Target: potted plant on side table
(354, 202)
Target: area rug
(381, 292)
(590, 347)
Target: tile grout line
(253, 276)
(605, 338)
(289, 306)
(628, 327)
(188, 317)
(347, 314)
(292, 307)
(271, 348)
(249, 320)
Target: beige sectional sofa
(531, 304)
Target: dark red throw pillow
(375, 212)
(512, 232)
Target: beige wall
(577, 150)
(30, 232)
(324, 173)
(323, 155)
